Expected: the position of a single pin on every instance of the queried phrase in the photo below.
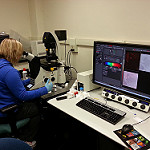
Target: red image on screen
(132, 61)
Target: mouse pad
(134, 140)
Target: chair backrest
(6, 128)
(9, 125)
(13, 144)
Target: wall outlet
(73, 45)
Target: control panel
(126, 100)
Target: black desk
(58, 92)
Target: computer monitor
(3, 36)
(123, 67)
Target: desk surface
(133, 116)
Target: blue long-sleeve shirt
(12, 90)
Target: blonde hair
(11, 50)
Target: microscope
(48, 67)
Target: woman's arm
(16, 87)
(26, 82)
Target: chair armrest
(9, 108)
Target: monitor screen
(123, 67)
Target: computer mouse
(126, 128)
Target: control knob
(134, 104)
(119, 98)
(126, 101)
(142, 106)
(113, 96)
(107, 94)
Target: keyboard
(108, 113)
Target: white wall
(36, 19)
(104, 19)
(121, 20)
(14, 16)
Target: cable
(57, 49)
(141, 121)
(106, 101)
(74, 69)
(65, 52)
(68, 58)
(68, 65)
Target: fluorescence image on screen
(112, 70)
(130, 79)
(132, 60)
(145, 63)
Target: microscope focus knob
(45, 80)
(53, 79)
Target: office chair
(13, 144)
(9, 127)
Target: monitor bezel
(114, 88)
